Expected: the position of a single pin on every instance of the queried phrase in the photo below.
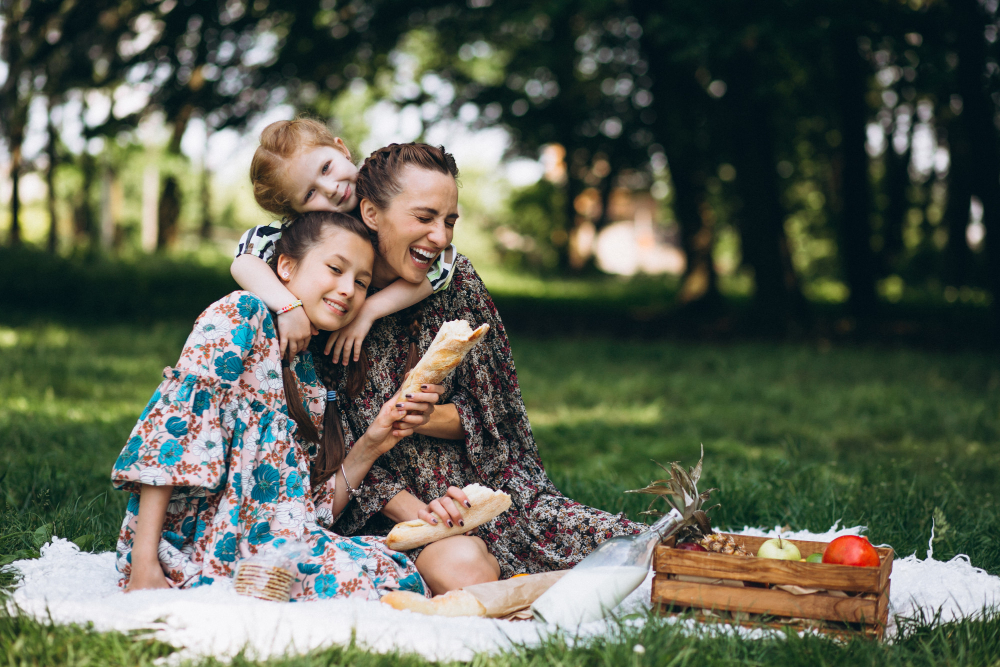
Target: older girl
(240, 451)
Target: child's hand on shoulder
(294, 331)
(348, 341)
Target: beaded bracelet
(292, 306)
(351, 493)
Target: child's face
(332, 279)
(322, 179)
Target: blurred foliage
(841, 145)
(535, 229)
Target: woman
(480, 433)
(239, 451)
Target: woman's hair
(378, 182)
(280, 141)
(297, 238)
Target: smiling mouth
(347, 193)
(336, 306)
(422, 258)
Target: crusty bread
(486, 504)
(453, 341)
(452, 603)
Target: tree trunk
(897, 181)
(777, 299)
(854, 193)
(169, 213)
(696, 220)
(978, 115)
(83, 217)
(205, 233)
(15, 196)
(50, 182)
(958, 256)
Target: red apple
(690, 546)
(851, 550)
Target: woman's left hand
(419, 406)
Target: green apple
(815, 558)
(779, 549)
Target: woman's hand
(399, 416)
(294, 331)
(445, 508)
(420, 406)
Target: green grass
(794, 435)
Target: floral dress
(217, 429)
(543, 530)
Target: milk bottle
(603, 579)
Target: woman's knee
(457, 561)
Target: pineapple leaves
(680, 491)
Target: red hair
(279, 142)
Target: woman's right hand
(446, 508)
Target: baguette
(452, 603)
(453, 341)
(486, 504)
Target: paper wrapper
(510, 599)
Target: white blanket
(73, 587)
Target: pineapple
(723, 544)
(680, 491)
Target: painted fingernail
(409, 395)
(450, 524)
(468, 504)
(399, 405)
(434, 521)
(423, 386)
(461, 523)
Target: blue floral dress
(217, 429)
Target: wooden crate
(865, 610)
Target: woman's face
(332, 279)
(417, 226)
(322, 179)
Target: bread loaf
(453, 341)
(452, 603)
(486, 504)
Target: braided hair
(379, 182)
(297, 238)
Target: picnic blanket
(69, 586)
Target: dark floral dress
(543, 530)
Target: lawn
(794, 435)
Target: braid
(413, 331)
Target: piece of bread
(452, 603)
(453, 341)
(486, 504)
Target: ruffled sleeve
(184, 435)
(181, 438)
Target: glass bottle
(603, 579)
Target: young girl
(299, 166)
(239, 451)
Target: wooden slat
(764, 601)
(845, 631)
(885, 568)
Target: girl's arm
(254, 275)
(146, 570)
(392, 299)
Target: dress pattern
(543, 530)
(217, 429)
